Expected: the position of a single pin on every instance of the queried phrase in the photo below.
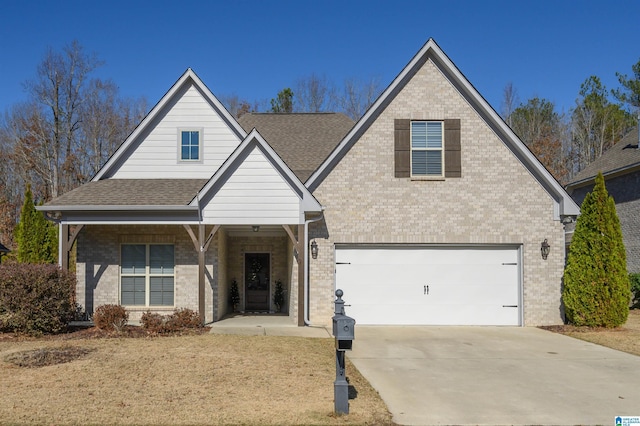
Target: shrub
(278, 296)
(179, 320)
(596, 282)
(35, 299)
(635, 289)
(152, 322)
(234, 295)
(110, 317)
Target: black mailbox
(344, 332)
(343, 326)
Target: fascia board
(255, 139)
(189, 74)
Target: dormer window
(190, 145)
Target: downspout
(307, 321)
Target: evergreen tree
(284, 101)
(596, 288)
(37, 238)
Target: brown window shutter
(402, 144)
(453, 152)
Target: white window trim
(147, 277)
(200, 144)
(441, 149)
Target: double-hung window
(190, 145)
(427, 154)
(147, 274)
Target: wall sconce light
(314, 249)
(255, 228)
(545, 248)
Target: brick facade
(496, 201)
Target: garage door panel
(439, 286)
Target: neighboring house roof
(564, 205)
(302, 140)
(3, 249)
(129, 192)
(156, 113)
(623, 157)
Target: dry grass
(625, 338)
(198, 379)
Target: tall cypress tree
(596, 287)
(36, 237)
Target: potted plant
(234, 295)
(278, 296)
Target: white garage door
(430, 286)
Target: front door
(256, 281)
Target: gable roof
(252, 141)
(564, 205)
(302, 140)
(623, 157)
(189, 77)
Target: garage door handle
(426, 289)
(509, 306)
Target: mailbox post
(344, 333)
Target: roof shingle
(136, 192)
(302, 140)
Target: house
(428, 210)
(620, 167)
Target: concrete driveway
(495, 375)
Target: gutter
(306, 319)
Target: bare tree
(314, 94)
(237, 106)
(106, 121)
(597, 124)
(357, 96)
(510, 102)
(58, 87)
(542, 129)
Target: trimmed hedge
(35, 298)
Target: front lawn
(196, 379)
(625, 338)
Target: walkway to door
(265, 325)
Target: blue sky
(256, 48)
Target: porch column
(302, 273)
(65, 243)
(201, 277)
(63, 247)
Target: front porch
(199, 273)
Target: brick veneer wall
(625, 191)
(98, 262)
(276, 246)
(496, 201)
